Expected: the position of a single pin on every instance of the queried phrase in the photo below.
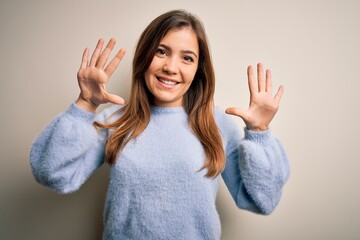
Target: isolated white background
(312, 48)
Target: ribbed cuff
(256, 136)
(76, 112)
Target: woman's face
(173, 67)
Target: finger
(251, 80)
(261, 77)
(279, 94)
(96, 53)
(105, 54)
(84, 60)
(115, 62)
(268, 81)
(112, 98)
(236, 112)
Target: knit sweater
(156, 190)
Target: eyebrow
(183, 51)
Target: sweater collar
(160, 110)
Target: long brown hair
(198, 100)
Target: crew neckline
(157, 109)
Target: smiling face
(173, 67)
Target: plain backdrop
(312, 48)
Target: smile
(167, 81)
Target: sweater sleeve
(256, 169)
(68, 150)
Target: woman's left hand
(263, 106)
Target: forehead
(181, 39)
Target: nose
(171, 66)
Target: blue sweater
(156, 190)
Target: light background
(312, 48)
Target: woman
(168, 145)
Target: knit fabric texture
(156, 190)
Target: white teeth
(167, 82)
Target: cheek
(190, 74)
(155, 64)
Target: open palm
(93, 76)
(263, 106)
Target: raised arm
(257, 166)
(70, 149)
(67, 151)
(256, 170)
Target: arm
(257, 166)
(256, 170)
(70, 149)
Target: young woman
(168, 145)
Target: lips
(167, 81)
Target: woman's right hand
(94, 75)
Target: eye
(161, 52)
(188, 59)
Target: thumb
(236, 112)
(112, 98)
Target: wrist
(86, 105)
(257, 128)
